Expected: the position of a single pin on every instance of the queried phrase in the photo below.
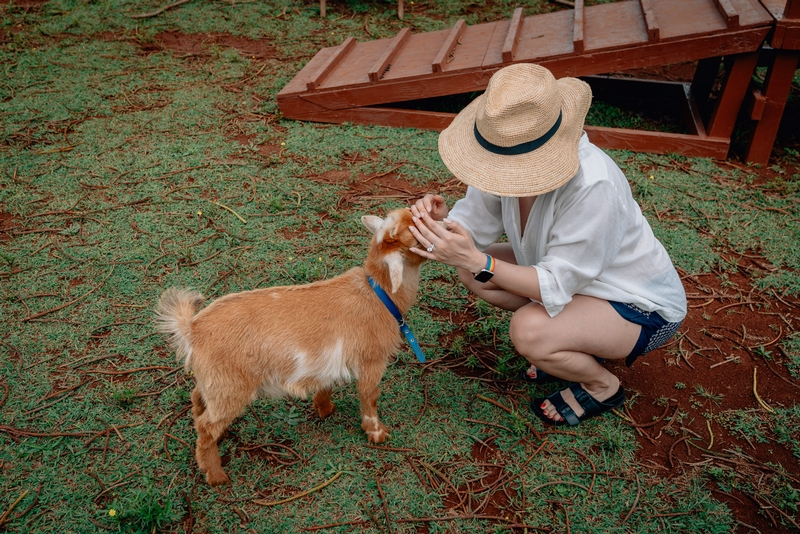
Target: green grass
(114, 165)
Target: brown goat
(294, 340)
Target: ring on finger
(431, 247)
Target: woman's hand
(432, 206)
(447, 242)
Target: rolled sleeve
(481, 215)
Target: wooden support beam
(691, 113)
(615, 138)
(755, 108)
(394, 48)
(330, 64)
(653, 32)
(578, 26)
(513, 36)
(449, 46)
(775, 91)
(792, 9)
(734, 88)
(728, 13)
(400, 9)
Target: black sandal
(591, 406)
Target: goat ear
(396, 264)
(372, 222)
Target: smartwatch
(487, 272)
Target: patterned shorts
(655, 330)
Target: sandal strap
(593, 406)
(563, 409)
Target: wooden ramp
(366, 82)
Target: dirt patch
(6, 225)
(200, 44)
(365, 189)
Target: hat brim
(534, 173)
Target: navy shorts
(655, 329)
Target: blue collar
(390, 305)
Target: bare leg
(368, 393)
(565, 345)
(322, 402)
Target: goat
(294, 340)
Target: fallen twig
(4, 517)
(223, 206)
(385, 507)
(301, 494)
(755, 392)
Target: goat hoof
(325, 411)
(378, 436)
(217, 478)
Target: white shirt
(588, 237)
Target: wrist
(486, 271)
(478, 263)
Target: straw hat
(519, 138)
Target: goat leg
(368, 392)
(322, 402)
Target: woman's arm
(453, 245)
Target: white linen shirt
(588, 237)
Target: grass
(115, 166)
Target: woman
(582, 271)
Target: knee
(528, 333)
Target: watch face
(484, 276)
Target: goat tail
(174, 313)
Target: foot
(217, 477)
(600, 394)
(324, 410)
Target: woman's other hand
(432, 206)
(447, 242)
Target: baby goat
(294, 340)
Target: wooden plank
(650, 21)
(659, 142)
(513, 36)
(679, 19)
(615, 25)
(614, 138)
(728, 13)
(298, 83)
(578, 27)
(331, 63)
(448, 48)
(394, 48)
